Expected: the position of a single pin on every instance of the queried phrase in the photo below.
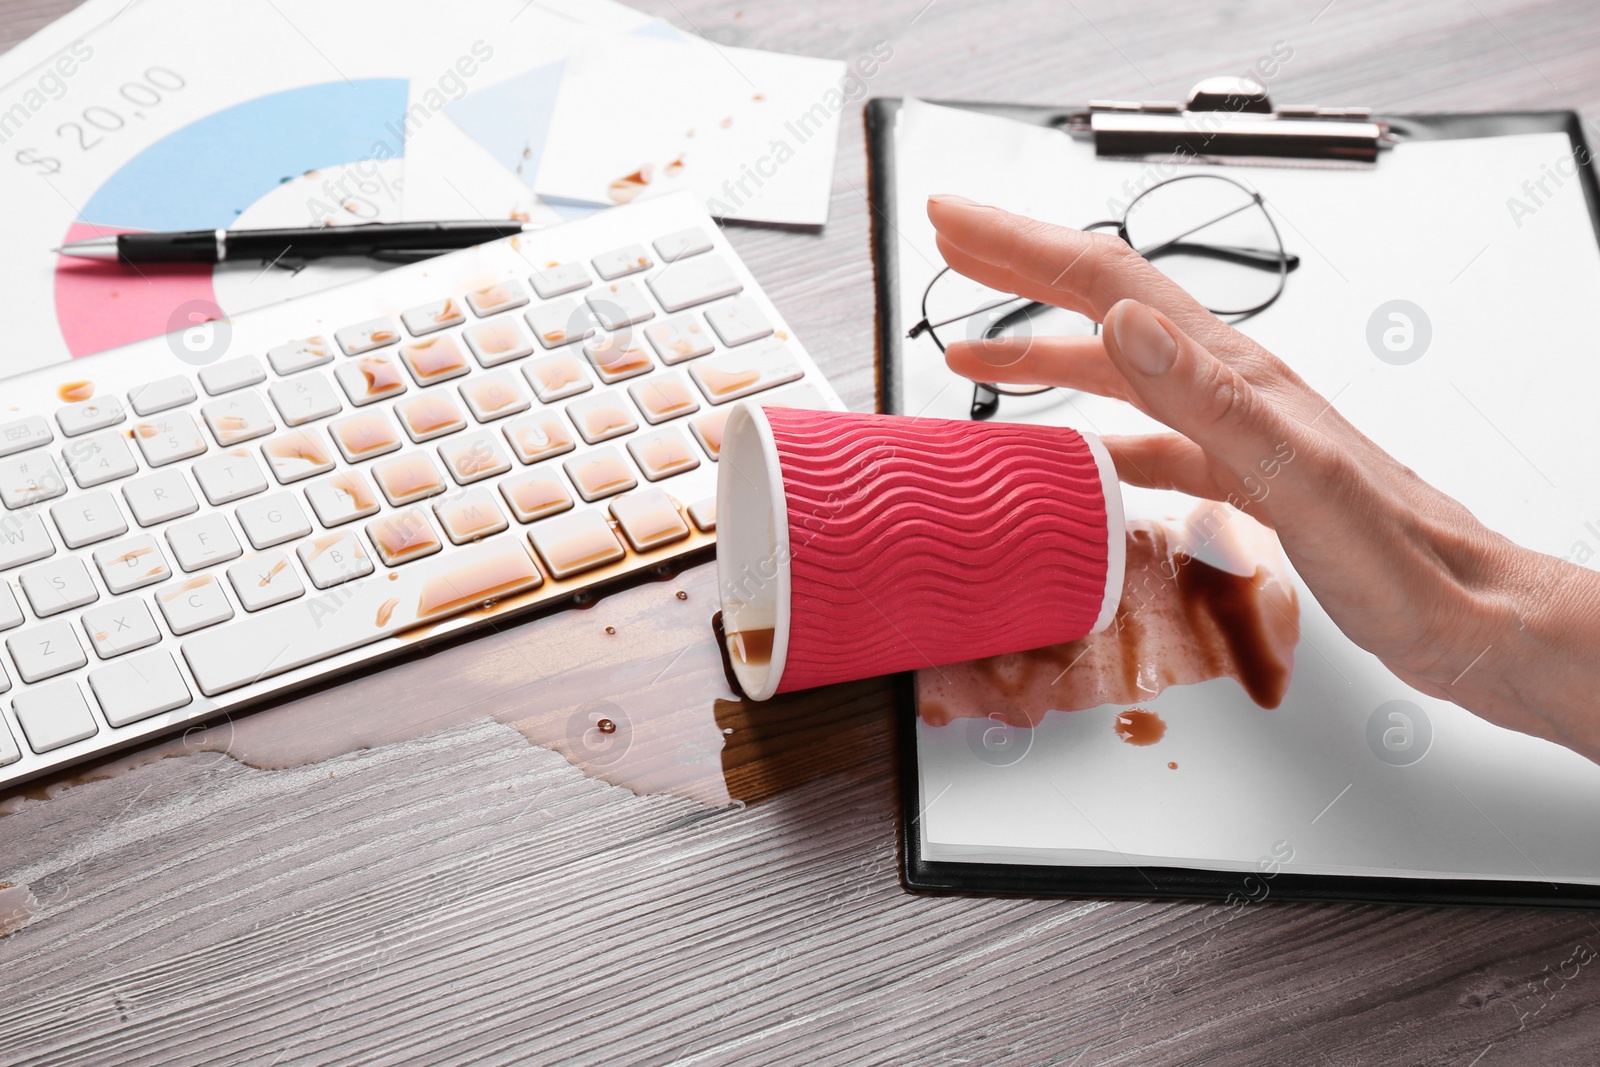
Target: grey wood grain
(459, 895)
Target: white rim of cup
(742, 495)
(1116, 530)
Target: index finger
(1085, 271)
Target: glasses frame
(986, 395)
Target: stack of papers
(148, 117)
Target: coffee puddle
(17, 907)
(645, 706)
(1182, 620)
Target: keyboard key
(738, 321)
(161, 395)
(494, 396)
(804, 395)
(241, 417)
(574, 543)
(678, 339)
(661, 455)
(431, 317)
(46, 650)
(53, 716)
(229, 476)
(194, 604)
(557, 377)
(403, 536)
(738, 374)
(24, 433)
(30, 478)
(620, 304)
(497, 342)
(663, 397)
(296, 356)
(558, 279)
(474, 458)
(537, 437)
(306, 631)
(682, 244)
(695, 281)
(649, 519)
(615, 357)
(304, 400)
(9, 752)
(703, 513)
(87, 415)
(332, 559)
(263, 581)
(370, 379)
(435, 360)
(201, 542)
(23, 539)
(296, 455)
(272, 520)
(404, 479)
(629, 259)
(560, 322)
(502, 296)
(366, 336)
(343, 498)
(168, 438)
(535, 494)
(361, 437)
(118, 628)
(469, 516)
(232, 374)
(131, 564)
(99, 458)
(159, 497)
(138, 688)
(601, 417)
(88, 518)
(10, 610)
(707, 429)
(600, 474)
(58, 586)
(430, 415)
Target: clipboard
(1336, 137)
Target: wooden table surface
(431, 864)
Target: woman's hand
(1408, 573)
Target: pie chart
(208, 175)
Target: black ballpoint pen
(417, 239)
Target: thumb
(1192, 391)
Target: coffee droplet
(1172, 766)
(606, 726)
(611, 629)
(682, 595)
(1138, 726)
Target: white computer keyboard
(480, 434)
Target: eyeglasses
(1209, 233)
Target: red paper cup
(850, 546)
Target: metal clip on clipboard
(1231, 120)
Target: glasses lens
(1211, 236)
(960, 309)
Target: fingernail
(951, 198)
(1143, 339)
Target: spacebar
(358, 613)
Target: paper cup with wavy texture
(850, 546)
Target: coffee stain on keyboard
(276, 569)
(189, 586)
(721, 383)
(381, 376)
(629, 186)
(74, 392)
(386, 611)
(673, 169)
(1182, 620)
(17, 907)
